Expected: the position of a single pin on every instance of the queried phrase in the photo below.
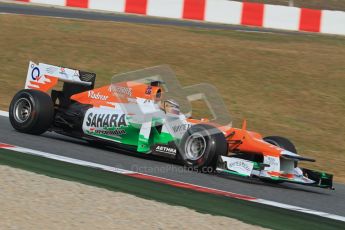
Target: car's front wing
(245, 168)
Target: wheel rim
(195, 146)
(22, 110)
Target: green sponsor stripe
(253, 213)
(231, 172)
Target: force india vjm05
(133, 115)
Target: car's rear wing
(44, 77)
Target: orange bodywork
(46, 85)
(242, 140)
(246, 141)
(117, 93)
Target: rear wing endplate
(44, 77)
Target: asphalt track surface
(307, 197)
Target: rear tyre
(201, 145)
(31, 111)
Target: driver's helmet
(171, 106)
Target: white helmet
(171, 106)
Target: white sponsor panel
(108, 5)
(165, 8)
(239, 165)
(64, 74)
(109, 122)
(51, 2)
(333, 22)
(223, 11)
(281, 17)
(273, 162)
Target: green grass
(287, 85)
(248, 212)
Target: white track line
(67, 159)
(3, 113)
(123, 171)
(300, 209)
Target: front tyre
(201, 145)
(281, 142)
(31, 111)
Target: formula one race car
(132, 115)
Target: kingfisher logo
(98, 96)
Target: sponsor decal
(62, 71)
(120, 90)
(181, 128)
(115, 132)
(35, 74)
(98, 96)
(239, 165)
(273, 162)
(51, 69)
(165, 149)
(102, 120)
(76, 73)
(148, 90)
(168, 151)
